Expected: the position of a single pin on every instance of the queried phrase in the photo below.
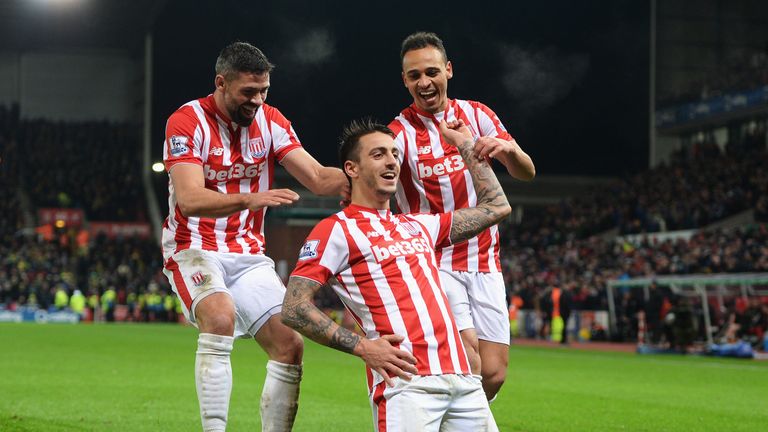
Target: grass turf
(140, 378)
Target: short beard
(241, 120)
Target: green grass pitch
(140, 378)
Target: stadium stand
(91, 165)
(743, 70)
(699, 187)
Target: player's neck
(221, 108)
(371, 200)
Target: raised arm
(319, 179)
(492, 205)
(519, 165)
(301, 314)
(196, 200)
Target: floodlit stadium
(181, 178)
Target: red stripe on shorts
(381, 406)
(178, 280)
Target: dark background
(569, 79)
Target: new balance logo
(216, 151)
(371, 234)
(423, 150)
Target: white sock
(280, 398)
(213, 378)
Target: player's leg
(487, 298)
(410, 406)
(258, 293)
(197, 281)
(280, 397)
(469, 409)
(454, 285)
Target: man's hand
(385, 359)
(455, 132)
(492, 147)
(270, 198)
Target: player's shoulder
(187, 112)
(476, 105)
(272, 113)
(327, 224)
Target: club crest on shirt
(256, 148)
(309, 250)
(411, 228)
(200, 279)
(178, 145)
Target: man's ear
(219, 82)
(351, 169)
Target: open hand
(271, 198)
(381, 356)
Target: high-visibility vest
(77, 303)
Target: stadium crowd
(743, 70)
(91, 165)
(698, 187)
(108, 272)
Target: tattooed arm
(492, 205)
(301, 314)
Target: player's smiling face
(243, 95)
(375, 176)
(426, 74)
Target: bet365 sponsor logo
(441, 166)
(394, 249)
(235, 172)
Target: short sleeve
(284, 138)
(489, 124)
(324, 253)
(183, 139)
(437, 225)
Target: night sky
(568, 79)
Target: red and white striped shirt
(235, 159)
(434, 178)
(383, 267)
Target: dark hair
(421, 40)
(242, 57)
(350, 138)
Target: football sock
(213, 379)
(280, 398)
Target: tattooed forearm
(300, 314)
(344, 340)
(492, 204)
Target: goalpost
(704, 286)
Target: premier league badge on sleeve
(309, 250)
(178, 145)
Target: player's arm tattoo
(492, 205)
(302, 315)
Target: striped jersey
(235, 159)
(434, 178)
(383, 267)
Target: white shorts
(250, 280)
(479, 301)
(431, 403)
